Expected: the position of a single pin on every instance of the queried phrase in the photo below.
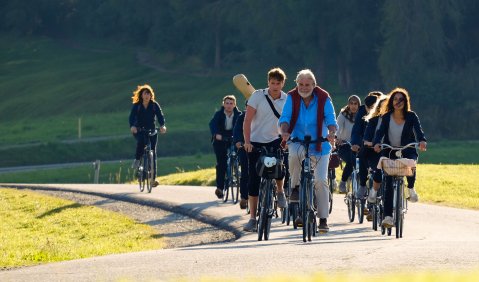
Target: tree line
(430, 47)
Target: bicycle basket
(334, 161)
(276, 171)
(396, 168)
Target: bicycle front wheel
(331, 189)
(141, 175)
(151, 172)
(399, 208)
(235, 189)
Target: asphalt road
(435, 238)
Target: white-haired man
(309, 111)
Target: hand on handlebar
(134, 130)
(238, 145)
(422, 146)
(218, 137)
(377, 148)
(163, 129)
(248, 147)
(355, 148)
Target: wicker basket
(396, 168)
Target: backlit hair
(307, 73)
(136, 98)
(276, 73)
(389, 107)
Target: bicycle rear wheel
(235, 189)
(361, 203)
(375, 215)
(331, 189)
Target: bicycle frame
(146, 174)
(306, 202)
(399, 199)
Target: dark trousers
(254, 178)
(368, 158)
(221, 152)
(389, 191)
(141, 141)
(243, 158)
(345, 153)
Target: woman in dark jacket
(399, 127)
(142, 116)
(221, 128)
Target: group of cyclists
(273, 118)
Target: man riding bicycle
(310, 111)
(260, 129)
(221, 128)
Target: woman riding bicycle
(399, 127)
(345, 124)
(142, 116)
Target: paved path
(434, 238)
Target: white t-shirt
(264, 126)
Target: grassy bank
(451, 185)
(116, 172)
(39, 229)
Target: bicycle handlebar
(307, 140)
(400, 148)
(151, 132)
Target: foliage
(40, 229)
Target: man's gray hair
(307, 73)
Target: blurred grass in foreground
(440, 276)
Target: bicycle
(233, 173)
(307, 197)
(350, 198)
(334, 162)
(397, 169)
(145, 171)
(270, 169)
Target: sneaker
(282, 201)
(294, 194)
(155, 183)
(251, 226)
(361, 192)
(323, 225)
(387, 222)
(135, 164)
(243, 204)
(219, 193)
(372, 196)
(342, 187)
(413, 197)
(298, 221)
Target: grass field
(37, 229)
(116, 172)
(451, 185)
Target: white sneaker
(387, 222)
(413, 197)
(372, 196)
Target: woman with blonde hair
(142, 116)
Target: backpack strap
(271, 105)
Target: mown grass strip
(37, 229)
(451, 185)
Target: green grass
(40, 229)
(451, 185)
(117, 172)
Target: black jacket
(217, 123)
(412, 131)
(359, 126)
